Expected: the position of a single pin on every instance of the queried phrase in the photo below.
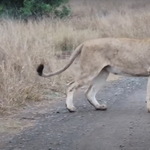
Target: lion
(100, 57)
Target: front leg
(148, 95)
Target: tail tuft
(40, 69)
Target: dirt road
(124, 126)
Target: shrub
(34, 8)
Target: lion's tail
(72, 58)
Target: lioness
(98, 58)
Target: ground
(124, 126)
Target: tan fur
(99, 57)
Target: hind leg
(69, 100)
(82, 80)
(97, 83)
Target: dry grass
(24, 45)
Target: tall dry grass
(24, 45)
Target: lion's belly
(139, 72)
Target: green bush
(34, 8)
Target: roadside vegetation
(28, 40)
